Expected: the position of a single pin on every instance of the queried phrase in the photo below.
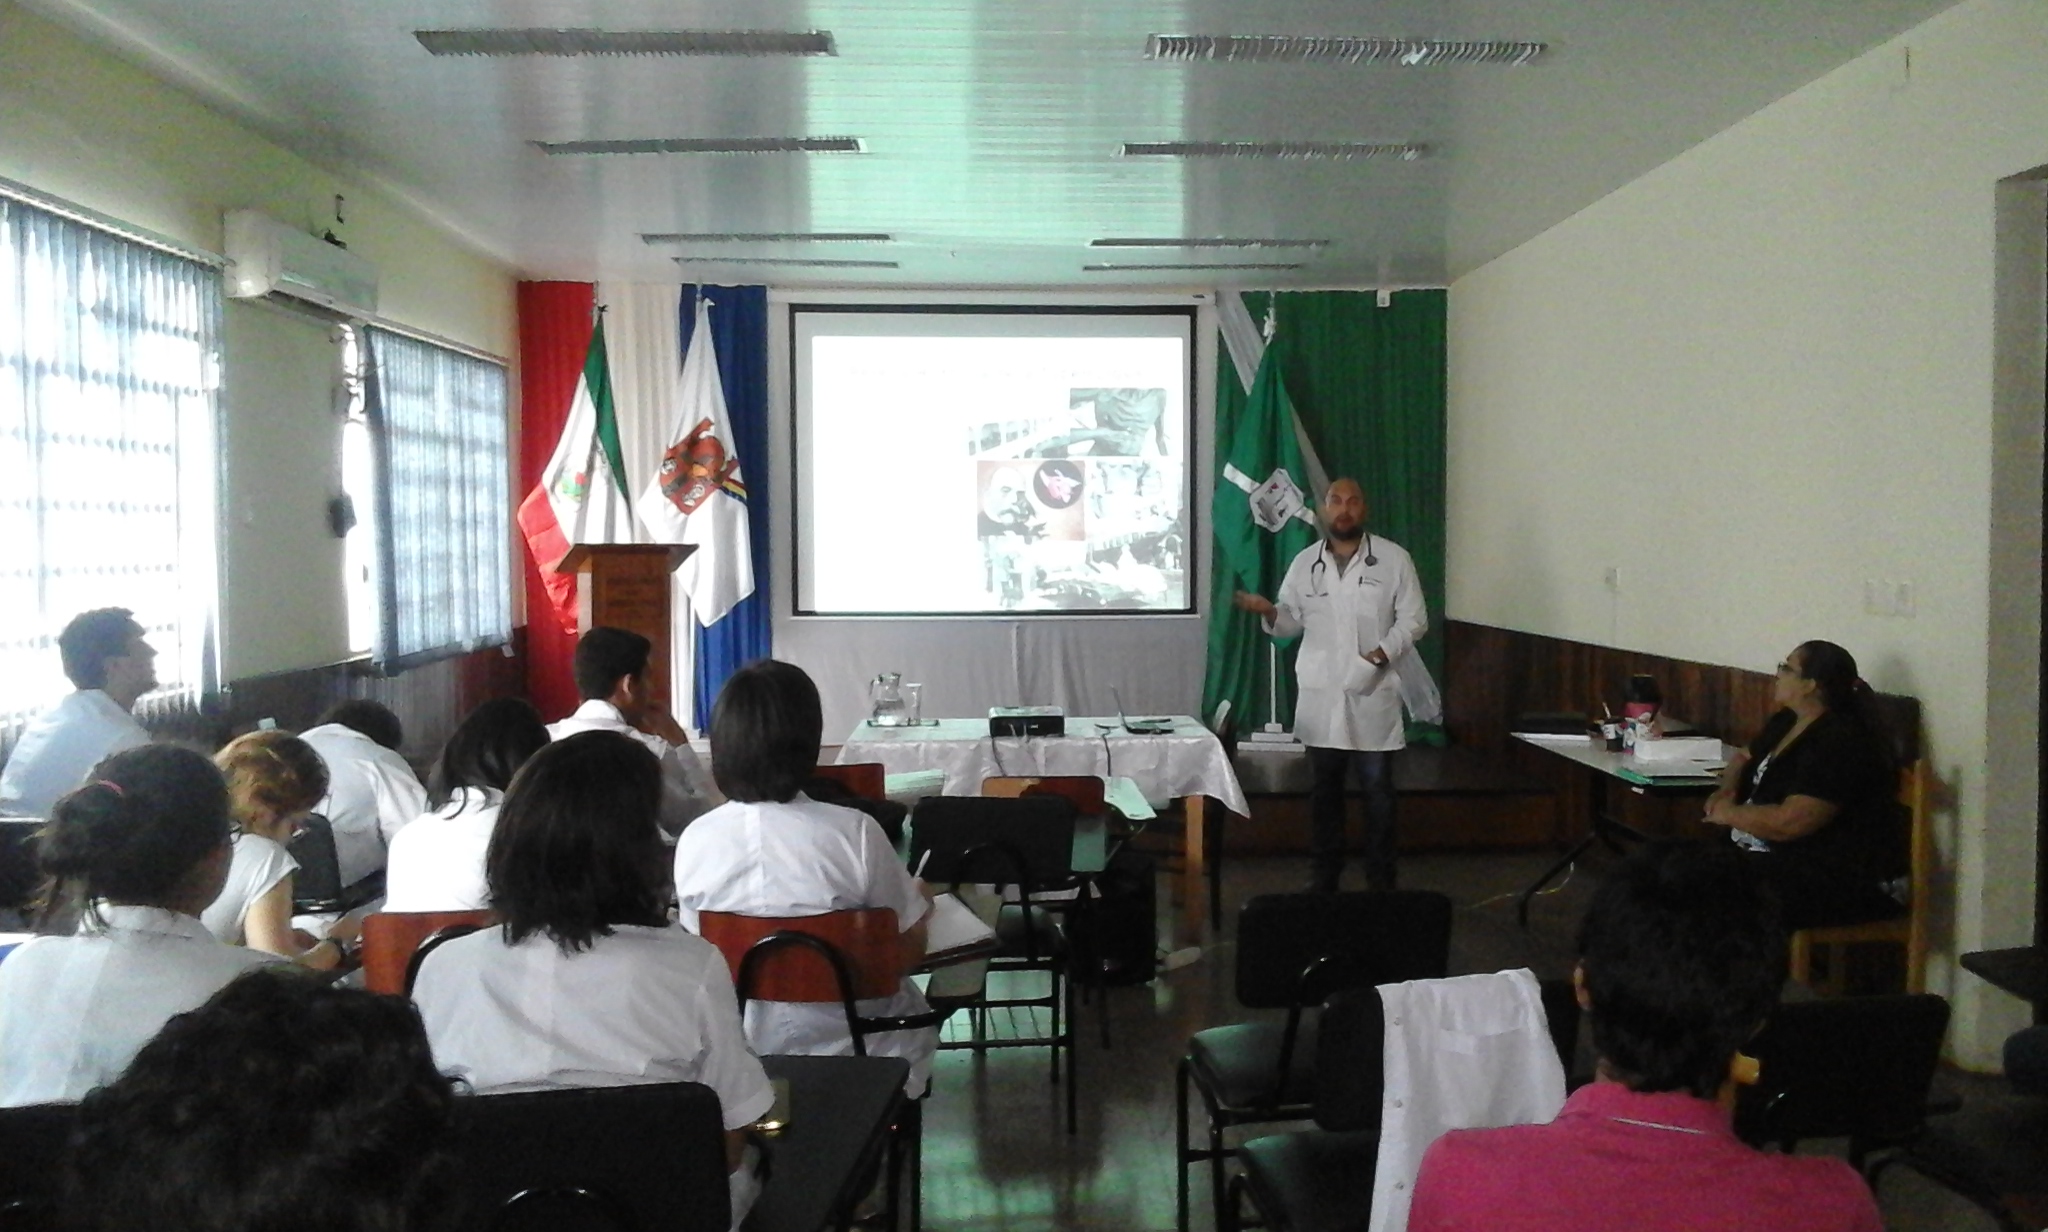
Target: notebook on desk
(1139, 727)
(953, 932)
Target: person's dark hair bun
(133, 832)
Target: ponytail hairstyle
(137, 828)
(1842, 690)
(271, 771)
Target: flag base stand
(1273, 736)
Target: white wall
(82, 125)
(1761, 376)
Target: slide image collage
(1080, 508)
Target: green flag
(1264, 515)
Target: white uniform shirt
(258, 866)
(1346, 701)
(437, 862)
(805, 858)
(74, 1011)
(641, 1005)
(687, 790)
(371, 792)
(59, 747)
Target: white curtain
(643, 334)
(109, 363)
(437, 421)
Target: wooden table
(840, 1109)
(1186, 763)
(1608, 767)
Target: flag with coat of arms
(699, 495)
(1264, 514)
(581, 495)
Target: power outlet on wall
(1884, 597)
(1611, 577)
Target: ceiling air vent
(1206, 242)
(1109, 267)
(1406, 151)
(1311, 49)
(766, 237)
(792, 262)
(710, 145)
(541, 42)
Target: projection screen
(957, 460)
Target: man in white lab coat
(611, 675)
(1356, 603)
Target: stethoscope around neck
(1317, 574)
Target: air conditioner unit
(265, 257)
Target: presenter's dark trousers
(1326, 814)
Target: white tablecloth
(1188, 761)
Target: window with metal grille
(109, 376)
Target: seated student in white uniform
(437, 862)
(274, 779)
(281, 1103)
(144, 847)
(371, 789)
(773, 851)
(112, 665)
(611, 677)
(587, 983)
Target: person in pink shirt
(1680, 959)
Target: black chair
(33, 1142)
(1321, 1180)
(1293, 951)
(604, 1159)
(1848, 1067)
(316, 887)
(1993, 1151)
(1027, 842)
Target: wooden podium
(626, 586)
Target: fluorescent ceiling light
(1206, 242)
(710, 145)
(1343, 151)
(1312, 49)
(800, 262)
(1120, 267)
(543, 42)
(767, 237)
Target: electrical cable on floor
(1570, 869)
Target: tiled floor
(996, 1156)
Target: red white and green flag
(581, 496)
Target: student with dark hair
(144, 848)
(274, 779)
(773, 851)
(1680, 960)
(1814, 799)
(611, 676)
(112, 665)
(587, 983)
(280, 1103)
(437, 862)
(371, 789)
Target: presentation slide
(972, 460)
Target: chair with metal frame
(33, 1141)
(391, 939)
(1027, 842)
(1293, 952)
(1844, 1067)
(1321, 1180)
(838, 958)
(635, 1158)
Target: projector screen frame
(1192, 456)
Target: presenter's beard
(1350, 534)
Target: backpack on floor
(1115, 937)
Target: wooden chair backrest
(1914, 787)
(863, 778)
(1085, 790)
(390, 937)
(866, 937)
